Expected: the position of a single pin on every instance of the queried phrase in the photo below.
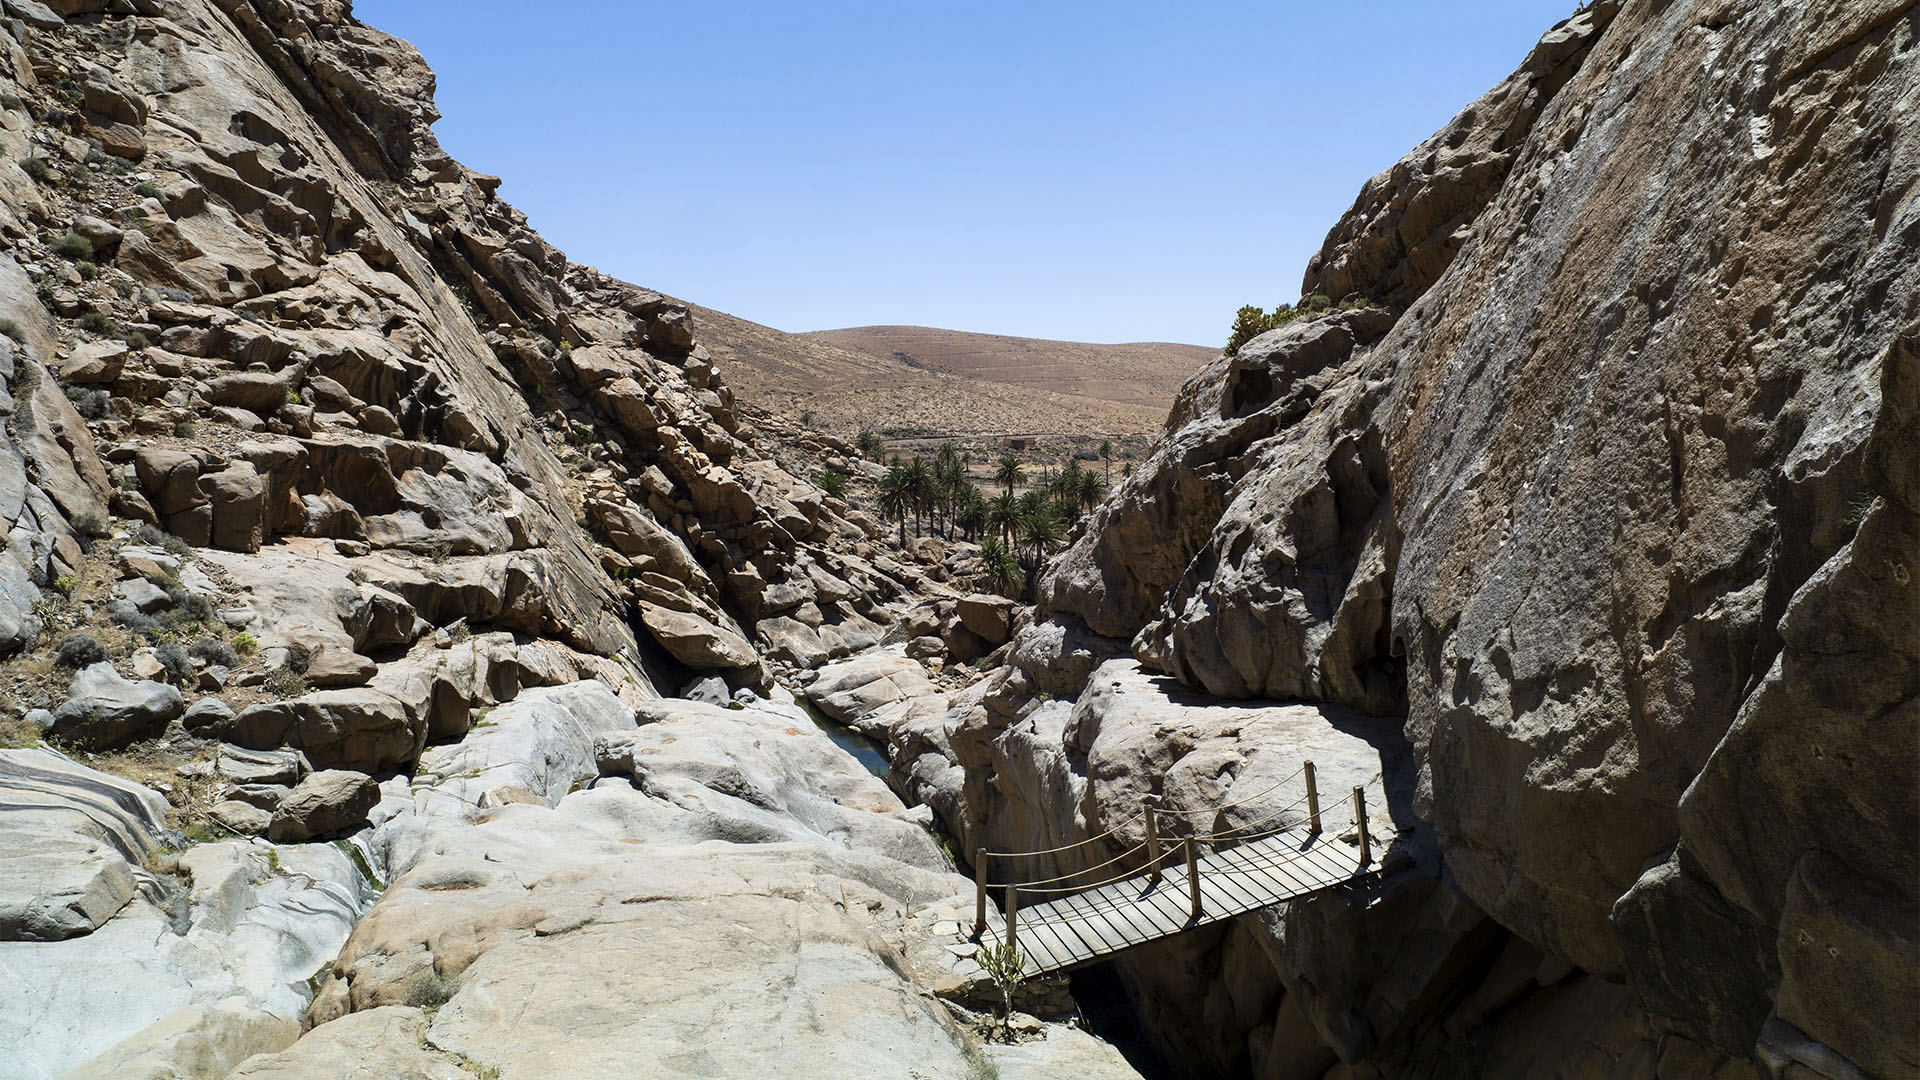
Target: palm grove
(1016, 531)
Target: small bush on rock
(147, 190)
(90, 403)
(213, 651)
(430, 989)
(73, 246)
(78, 651)
(40, 169)
(13, 330)
(245, 643)
(174, 659)
(285, 683)
(188, 606)
(93, 322)
(88, 523)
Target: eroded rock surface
(1598, 480)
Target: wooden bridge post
(1153, 842)
(1360, 822)
(979, 892)
(1313, 801)
(1193, 875)
(1013, 912)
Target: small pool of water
(871, 755)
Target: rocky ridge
(1597, 491)
(357, 547)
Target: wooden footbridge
(1175, 879)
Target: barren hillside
(1136, 373)
(957, 384)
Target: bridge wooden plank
(1080, 928)
(1249, 877)
(1288, 879)
(1245, 896)
(1083, 916)
(1085, 919)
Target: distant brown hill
(1138, 373)
(947, 382)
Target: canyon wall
(1597, 482)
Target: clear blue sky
(1112, 171)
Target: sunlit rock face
(1599, 479)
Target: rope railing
(1159, 855)
(1242, 802)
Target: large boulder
(851, 690)
(237, 499)
(70, 844)
(258, 392)
(696, 642)
(324, 802)
(988, 617)
(104, 710)
(363, 728)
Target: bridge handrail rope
(1064, 847)
(1174, 849)
(1229, 806)
(1026, 886)
(1229, 833)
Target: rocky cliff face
(334, 499)
(1599, 485)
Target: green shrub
(245, 643)
(833, 483)
(73, 246)
(147, 190)
(13, 330)
(88, 271)
(68, 584)
(40, 169)
(184, 429)
(1250, 322)
(284, 682)
(88, 523)
(94, 322)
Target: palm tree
(919, 481)
(1008, 472)
(895, 500)
(1106, 455)
(869, 445)
(950, 482)
(1003, 513)
(1066, 484)
(970, 513)
(1091, 490)
(1003, 573)
(1040, 532)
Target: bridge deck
(1079, 929)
